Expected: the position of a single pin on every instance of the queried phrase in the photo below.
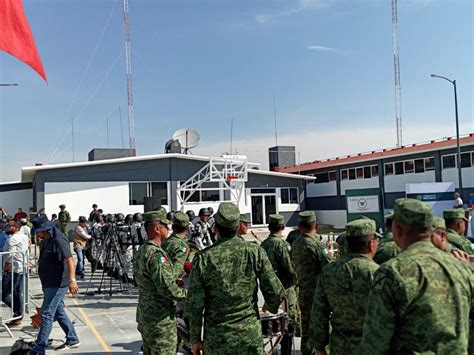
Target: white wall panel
(12, 200)
(359, 184)
(323, 189)
(396, 183)
(451, 175)
(337, 218)
(112, 197)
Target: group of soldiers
(408, 291)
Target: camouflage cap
(389, 216)
(360, 228)
(307, 217)
(276, 220)
(159, 216)
(181, 219)
(245, 217)
(413, 212)
(438, 223)
(228, 215)
(455, 213)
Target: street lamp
(457, 128)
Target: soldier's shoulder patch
(162, 259)
(184, 249)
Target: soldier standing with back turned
(176, 245)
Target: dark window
(262, 191)
(160, 189)
(321, 178)
(360, 173)
(389, 169)
(367, 172)
(345, 174)
(419, 166)
(409, 167)
(332, 176)
(465, 160)
(289, 195)
(375, 170)
(429, 164)
(399, 168)
(194, 197)
(352, 174)
(210, 195)
(137, 193)
(293, 195)
(285, 196)
(449, 161)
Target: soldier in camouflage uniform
(223, 291)
(309, 258)
(456, 227)
(342, 294)
(176, 245)
(291, 237)
(64, 218)
(243, 225)
(158, 291)
(419, 301)
(278, 252)
(387, 247)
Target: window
(419, 166)
(466, 160)
(375, 170)
(289, 195)
(262, 191)
(352, 174)
(160, 189)
(389, 169)
(399, 168)
(367, 172)
(345, 174)
(332, 176)
(409, 167)
(449, 161)
(137, 192)
(322, 178)
(360, 173)
(429, 164)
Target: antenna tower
(396, 68)
(128, 62)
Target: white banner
(363, 204)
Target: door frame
(262, 194)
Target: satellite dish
(187, 137)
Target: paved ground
(105, 324)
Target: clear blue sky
(198, 63)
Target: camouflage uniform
(64, 218)
(177, 246)
(224, 288)
(158, 293)
(456, 240)
(420, 300)
(291, 237)
(278, 252)
(245, 218)
(342, 245)
(309, 259)
(387, 250)
(341, 297)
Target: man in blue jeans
(56, 272)
(81, 238)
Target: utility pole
(396, 69)
(73, 148)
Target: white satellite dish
(187, 137)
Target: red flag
(15, 35)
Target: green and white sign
(365, 202)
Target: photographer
(81, 238)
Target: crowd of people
(407, 291)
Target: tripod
(113, 264)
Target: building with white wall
(387, 169)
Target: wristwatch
(72, 280)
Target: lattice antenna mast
(128, 62)
(396, 68)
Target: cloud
(299, 6)
(318, 48)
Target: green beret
(360, 228)
(455, 213)
(389, 216)
(438, 223)
(159, 216)
(413, 212)
(228, 215)
(276, 220)
(181, 219)
(245, 217)
(307, 217)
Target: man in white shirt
(458, 203)
(14, 266)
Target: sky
(200, 64)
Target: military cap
(438, 223)
(245, 217)
(413, 212)
(455, 213)
(361, 228)
(307, 217)
(158, 216)
(276, 220)
(389, 216)
(62, 206)
(181, 219)
(228, 215)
